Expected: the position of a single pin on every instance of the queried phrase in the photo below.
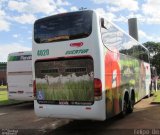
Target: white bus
(85, 67)
(19, 76)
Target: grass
(4, 99)
(73, 91)
(156, 98)
(3, 95)
(8, 102)
(3, 87)
(158, 83)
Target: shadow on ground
(113, 126)
(88, 128)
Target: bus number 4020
(43, 52)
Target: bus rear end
(19, 76)
(67, 75)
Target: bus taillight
(97, 89)
(34, 88)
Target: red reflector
(97, 87)
(40, 106)
(34, 88)
(88, 108)
(20, 91)
(78, 44)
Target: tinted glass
(115, 39)
(63, 27)
(20, 58)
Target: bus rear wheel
(124, 110)
(131, 104)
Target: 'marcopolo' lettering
(77, 51)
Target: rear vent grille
(75, 70)
(49, 71)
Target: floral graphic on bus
(122, 72)
(112, 81)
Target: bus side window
(111, 36)
(143, 55)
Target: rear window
(63, 27)
(65, 81)
(20, 58)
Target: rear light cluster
(97, 89)
(34, 88)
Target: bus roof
(62, 14)
(103, 16)
(20, 53)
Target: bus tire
(124, 110)
(125, 104)
(131, 103)
(130, 106)
(149, 94)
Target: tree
(154, 49)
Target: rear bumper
(94, 112)
(21, 97)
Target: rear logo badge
(78, 44)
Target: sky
(17, 18)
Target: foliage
(157, 97)
(154, 49)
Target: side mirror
(105, 24)
(102, 23)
